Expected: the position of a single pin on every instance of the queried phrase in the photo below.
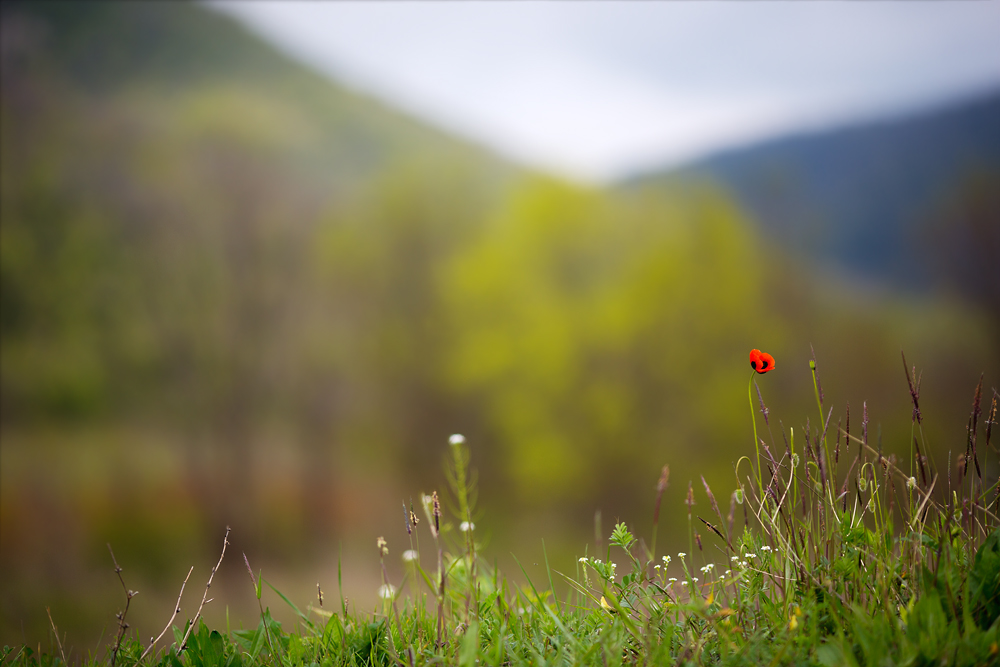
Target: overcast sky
(598, 90)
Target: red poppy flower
(761, 362)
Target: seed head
(437, 512)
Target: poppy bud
(761, 362)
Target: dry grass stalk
(55, 631)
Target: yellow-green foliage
(593, 326)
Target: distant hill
(172, 51)
(878, 200)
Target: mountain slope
(877, 200)
(105, 49)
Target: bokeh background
(237, 290)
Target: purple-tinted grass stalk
(827, 471)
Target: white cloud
(597, 90)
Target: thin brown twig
(56, 632)
(204, 598)
(177, 610)
(129, 594)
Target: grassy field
(826, 552)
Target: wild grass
(830, 553)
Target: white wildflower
(911, 483)
(681, 555)
(583, 559)
(466, 526)
(386, 591)
(410, 555)
(456, 439)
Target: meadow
(240, 298)
(829, 553)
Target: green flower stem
(756, 442)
